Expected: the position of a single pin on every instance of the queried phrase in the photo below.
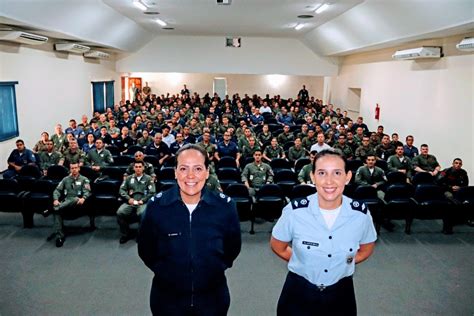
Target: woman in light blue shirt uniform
(329, 234)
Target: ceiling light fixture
(160, 22)
(299, 26)
(322, 8)
(140, 5)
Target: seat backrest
(300, 163)
(30, 171)
(302, 190)
(123, 160)
(237, 190)
(270, 190)
(133, 149)
(280, 163)
(422, 177)
(43, 186)
(87, 172)
(114, 150)
(428, 192)
(228, 174)
(227, 161)
(113, 172)
(363, 192)
(396, 177)
(9, 186)
(284, 175)
(106, 187)
(381, 164)
(166, 173)
(353, 165)
(398, 191)
(465, 195)
(57, 172)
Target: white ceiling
(262, 18)
(348, 26)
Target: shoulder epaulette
(157, 196)
(299, 203)
(225, 197)
(359, 206)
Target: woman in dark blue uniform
(329, 233)
(188, 237)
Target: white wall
(52, 88)
(208, 54)
(433, 100)
(286, 86)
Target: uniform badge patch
(300, 202)
(222, 195)
(359, 206)
(159, 194)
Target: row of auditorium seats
(31, 193)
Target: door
(220, 87)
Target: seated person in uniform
(399, 162)
(426, 162)
(342, 147)
(453, 178)
(158, 149)
(69, 196)
(273, 151)
(296, 151)
(135, 190)
(410, 150)
(285, 136)
(385, 149)
(265, 136)
(227, 148)
(365, 149)
(247, 151)
(179, 142)
(41, 145)
(395, 142)
(256, 174)
(147, 167)
(90, 143)
(371, 175)
(304, 176)
(49, 157)
(99, 157)
(72, 155)
(19, 157)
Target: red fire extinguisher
(377, 112)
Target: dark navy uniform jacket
(189, 253)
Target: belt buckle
(321, 287)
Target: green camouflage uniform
(48, 159)
(257, 176)
(139, 190)
(70, 189)
(70, 157)
(304, 176)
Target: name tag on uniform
(310, 243)
(174, 234)
(132, 181)
(78, 182)
(102, 155)
(251, 177)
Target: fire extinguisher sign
(377, 112)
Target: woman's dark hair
(197, 148)
(329, 152)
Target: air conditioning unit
(223, 2)
(22, 37)
(72, 48)
(419, 52)
(96, 54)
(466, 45)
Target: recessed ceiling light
(167, 28)
(160, 22)
(322, 8)
(151, 13)
(305, 16)
(140, 5)
(299, 26)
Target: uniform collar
(173, 195)
(342, 218)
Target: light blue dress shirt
(321, 255)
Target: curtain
(98, 96)
(8, 113)
(109, 94)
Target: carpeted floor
(426, 273)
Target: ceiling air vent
(22, 37)
(72, 48)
